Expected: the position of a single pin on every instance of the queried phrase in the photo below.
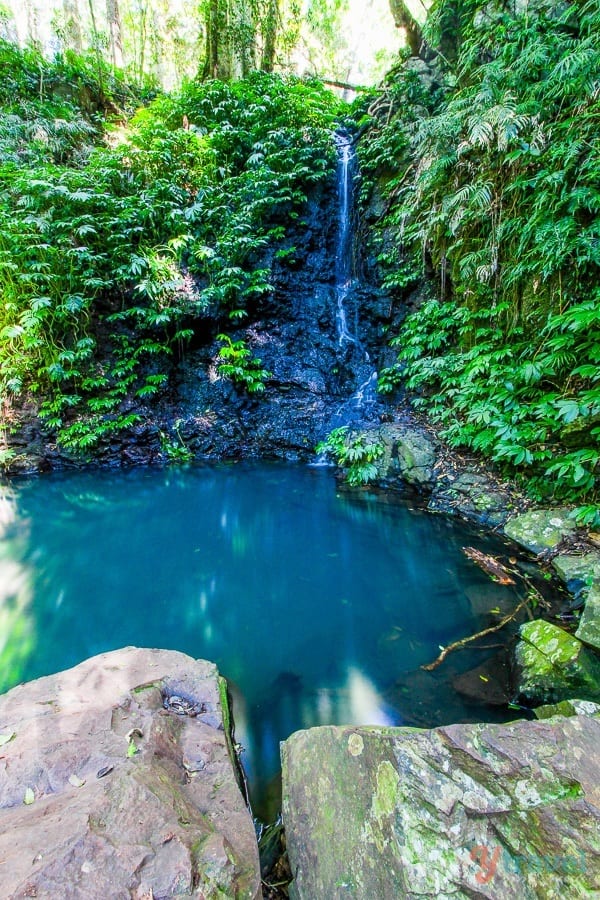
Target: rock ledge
(456, 812)
(116, 780)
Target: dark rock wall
(293, 331)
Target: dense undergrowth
(115, 237)
(491, 166)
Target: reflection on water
(16, 624)
(315, 604)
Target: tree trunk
(113, 19)
(270, 36)
(405, 19)
(73, 25)
(143, 38)
(243, 38)
(97, 49)
(32, 23)
(211, 65)
(230, 39)
(161, 64)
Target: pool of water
(319, 605)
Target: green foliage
(238, 365)
(174, 447)
(108, 252)
(587, 516)
(495, 188)
(356, 452)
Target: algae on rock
(454, 812)
(540, 529)
(589, 624)
(553, 665)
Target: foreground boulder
(116, 780)
(459, 812)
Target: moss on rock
(461, 811)
(540, 529)
(589, 625)
(553, 665)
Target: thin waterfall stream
(343, 255)
(346, 283)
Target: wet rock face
(116, 781)
(589, 625)
(462, 811)
(409, 454)
(293, 332)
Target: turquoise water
(319, 605)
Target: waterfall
(343, 253)
(365, 396)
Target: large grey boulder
(578, 571)
(589, 624)
(464, 811)
(116, 781)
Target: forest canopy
(161, 43)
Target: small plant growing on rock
(356, 452)
(238, 365)
(175, 449)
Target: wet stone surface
(109, 787)
(456, 812)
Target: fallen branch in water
(457, 645)
(490, 564)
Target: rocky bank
(118, 779)
(498, 811)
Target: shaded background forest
(161, 43)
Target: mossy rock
(578, 572)
(409, 453)
(568, 708)
(456, 812)
(589, 624)
(553, 665)
(540, 529)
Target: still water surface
(318, 605)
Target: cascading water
(364, 399)
(343, 254)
